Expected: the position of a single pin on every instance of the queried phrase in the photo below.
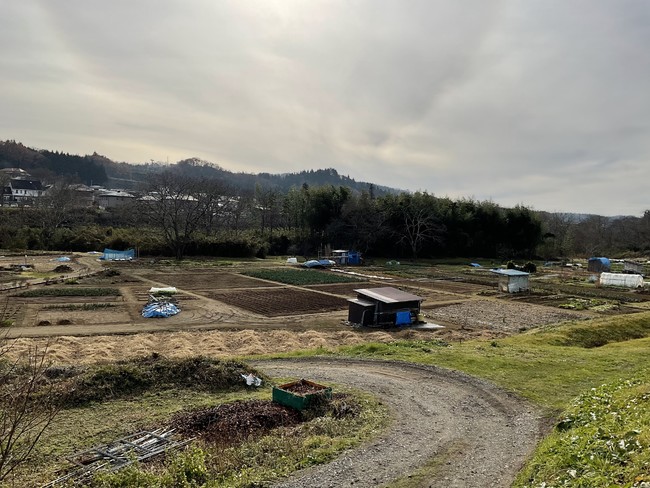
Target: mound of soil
(62, 268)
(230, 423)
(303, 388)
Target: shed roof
(359, 301)
(19, 184)
(510, 272)
(388, 294)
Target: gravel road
(479, 435)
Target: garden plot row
(280, 301)
(66, 299)
(143, 296)
(343, 289)
(202, 280)
(448, 286)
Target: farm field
(279, 302)
(524, 343)
(257, 295)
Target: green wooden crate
(284, 395)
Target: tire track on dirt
(476, 434)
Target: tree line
(180, 215)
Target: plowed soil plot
(109, 315)
(281, 301)
(204, 280)
(345, 289)
(500, 316)
(450, 286)
(143, 296)
(431, 296)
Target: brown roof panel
(389, 294)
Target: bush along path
(448, 429)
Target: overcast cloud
(543, 103)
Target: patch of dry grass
(218, 344)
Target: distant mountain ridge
(100, 170)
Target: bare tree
(26, 405)
(179, 206)
(419, 223)
(55, 205)
(269, 205)
(237, 212)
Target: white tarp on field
(621, 279)
(166, 290)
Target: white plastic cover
(621, 279)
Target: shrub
(529, 267)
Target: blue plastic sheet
(160, 309)
(403, 318)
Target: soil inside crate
(303, 388)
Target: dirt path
(476, 434)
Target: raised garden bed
(301, 394)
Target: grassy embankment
(602, 437)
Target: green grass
(69, 292)
(548, 366)
(38, 274)
(602, 440)
(301, 277)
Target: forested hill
(52, 165)
(99, 170)
(126, 175)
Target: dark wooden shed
(385, 306)
(632, 267)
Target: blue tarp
(403, 318)
(320, 263)
(113, 255)
(63, 259)
(160, 309)
(354, 257)
(599, 264)
(475, 265)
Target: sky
(542, 103)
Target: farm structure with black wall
(386, 306)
